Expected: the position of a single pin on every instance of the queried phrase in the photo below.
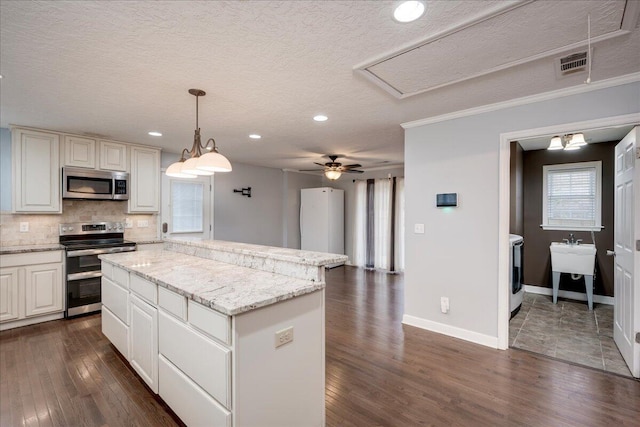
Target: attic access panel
(510, 35)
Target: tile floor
(567, 331)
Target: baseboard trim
(30, 321)
(452, 331)
(578, 296)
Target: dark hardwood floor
(379, 373)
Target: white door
(626, 290)
(187, 207)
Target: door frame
(210, 207)
(504, 198)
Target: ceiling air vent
(571, 64)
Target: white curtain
(360, 224)
(382, 223)
(399, 226)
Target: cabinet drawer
(205, 362)
(121, 277)
(210, 322)
(172, 302)
(144, 288)
(107, 270)
(44, 257)
(116, 331)
(116, 299)
(192, 404)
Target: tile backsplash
(43, 229)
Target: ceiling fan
(333, 169)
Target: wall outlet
(142, 223)
(284, 336)
(418, 228)
(444, 304)
(128, 223)
(24, 227)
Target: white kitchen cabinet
(36, 171)
(79, 152)
(143, 343)
(144, 183)
(31, 288)
(113, 156)
(8, 294)
(43, 289)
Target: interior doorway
(187, 207)
(539, 306)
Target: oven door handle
(84, 252)
(83, 275)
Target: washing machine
(516, 285)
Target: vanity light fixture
(198, 163)
(568, 142)
(408, 11)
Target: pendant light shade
(332, 174)
(213, 162)
(577, 140)
(198, 163)
(175, 171)
(555, 144)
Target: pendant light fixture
(568, 142)
(198, 163)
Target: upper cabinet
(144, 181)
(36, 171)
(113, 156)
(79, 152)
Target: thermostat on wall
(444, 200)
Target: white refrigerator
(322, 220)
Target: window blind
(187, 207)
(571, 197)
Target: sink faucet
(572, 240)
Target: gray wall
(346, 183)
(516, 217)
(5, 169)
(457, 256)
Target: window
(187, 207)
(571, 196)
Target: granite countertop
(6, 250)
(147, 241)
(227, 288)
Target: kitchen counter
(227, 288)
(6, 250)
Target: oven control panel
(91, 228)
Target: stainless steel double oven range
(83, 242)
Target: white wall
(345, 182)
(457, 256)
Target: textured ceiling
(123, 68)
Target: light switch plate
(24, 227)
(418, 228)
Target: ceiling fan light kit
(198, 163)
(333, 174)
(334, 170)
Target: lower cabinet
(31, 288)
(143, 341)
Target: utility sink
(576, 259)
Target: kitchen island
(226, 333)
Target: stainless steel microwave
(78, 183)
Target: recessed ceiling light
(320, 118)
(154, 133)
(254, 136)
(408, 11)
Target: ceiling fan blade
(356, 165)
(319, 164)
(352, 171)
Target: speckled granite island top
(228, 287)
(6, 250)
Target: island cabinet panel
(200, 358)
(116, 298)
(172, 303)
(191, 403)
(143, 344)
(212, 323)
(116, 331)
(143, 288)
(9, 294)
